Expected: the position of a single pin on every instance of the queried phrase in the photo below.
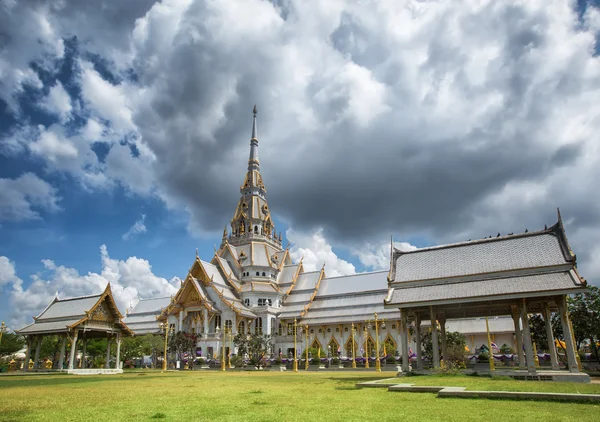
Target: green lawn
(268, 396)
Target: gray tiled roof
(63, 308)
(154, 305)
(307, 281)
(48, 326)
(353, 283)
(539, 284)
(493, 255)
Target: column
(550, 336)
(527, 338)
(84, 351)
(73, 350)
(434, 338)
(568, 335)
(180, 321)
(38, 346)
(404, 334)
(518, 337)
(108, 344)
(28, 353)
(342, 342)
(63, 346)
(418, 341)
(117, 363)
(442, 321)
(205, 314)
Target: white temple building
(251, 284)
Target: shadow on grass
(356, 379)
(17, 415)
(63, 380)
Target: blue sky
(434, 123)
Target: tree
(11, 343)
(584, 311)
(537, 327)
(455, 347)
(182, 343)
(253, 345)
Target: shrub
(390, 359)
(335, 361)
(237, 361)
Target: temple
(250, 284)
(76, 321)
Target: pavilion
(78, 320)
(513, 275)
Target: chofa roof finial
(254, 110)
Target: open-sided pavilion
(77, 320)
(514, 275)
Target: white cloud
(314, 251)
(58, 101)
(129, 279)
(23, 197)
(138, 227)
(53, 146)
(377, 257)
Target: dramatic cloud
(137, 228)
(129, 279)
(58, 102)
(377, 257)
(315, 252)
(23, 197)
(439, 120)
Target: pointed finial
(196, 252)
(225, 232)
(280, 236)
(254, 110)
(526, 231)
(559, 216)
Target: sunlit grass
(267, 396)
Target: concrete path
(461, 392)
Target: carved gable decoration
(101, 313)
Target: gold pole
(166, 327)
(306, 363)
(2, 328)
(367, 347)
(353, 348)
(377, 362)
(536, 359)
(490, 352)
(295, 347)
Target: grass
(268, 396)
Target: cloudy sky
(125, 126)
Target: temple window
(258, 329)
(346, 329)
(217, 321)
(255, 229)
(257, 273)
(290, 329)
(264, 274)
(247, 302)
(228, 325)
(242, 327)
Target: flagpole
(490, 351)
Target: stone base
(99, 371)
(544, 375)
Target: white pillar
(434, 338)
(108, 344)
(550, 336)
(568, 336)
(73, 350)
(84, 351)
(28, 353)
(38, 346)
(404, 334)
(117, 363)
(418, 341)
(205, 313)
(527, 338)
(518, 337)
(180, 320)
(63, 346)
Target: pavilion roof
(63, 315)
(537, 264)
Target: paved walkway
(461, 392)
